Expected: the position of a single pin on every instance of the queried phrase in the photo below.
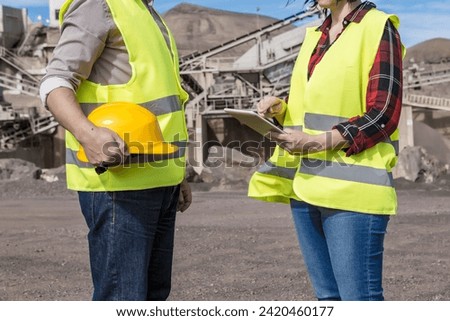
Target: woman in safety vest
(334, 164)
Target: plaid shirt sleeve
(384, 97)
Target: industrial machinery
(214, 81)
(19, 123)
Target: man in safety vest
(341, 122)
(113, 83)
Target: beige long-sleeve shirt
(90, 47)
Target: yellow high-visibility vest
(155, 85)
(335, 92)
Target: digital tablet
(253, 120)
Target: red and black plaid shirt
(384, 91)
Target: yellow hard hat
(137, 126)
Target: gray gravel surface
(228, 247)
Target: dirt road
(228, 247)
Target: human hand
(103, 147)
(185, 198)
(298, 142)
(270, 106)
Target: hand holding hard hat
(102, 147)
(134, 125)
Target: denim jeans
(131, 238)
(342, 250)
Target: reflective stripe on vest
(71, 157)
(320, 122)
(300, 128)
(274, 170)
(158, 107)
(343, 171)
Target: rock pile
(416, 165)
(22, 179)
(15, 169)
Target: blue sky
(420, 20)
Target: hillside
(430, 52)
(198, 28)
(426, 53)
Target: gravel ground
(228, 247)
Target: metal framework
(16, 126)
(215, 82)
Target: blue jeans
(131, 238)
(342, 250)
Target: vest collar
(355, 16)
